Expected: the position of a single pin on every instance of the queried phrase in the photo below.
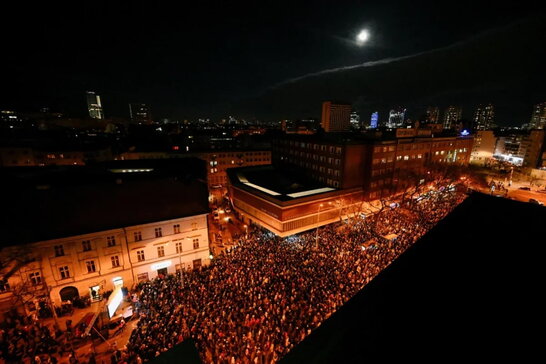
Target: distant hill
(504, 66)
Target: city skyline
(175, 70)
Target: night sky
(188, 60)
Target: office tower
(335, 117)
(140, 113)
(483, 118)
(452, 116)
(432, 115)
(374, 120)
(355, 120)
(538, 119)
(396, 118)
(94, 106)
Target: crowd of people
(254, 303)
(29, 340)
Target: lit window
(406, 157)
(111, 240)
(64, 272)
(90, 264)
(115, 261)
(35, 278)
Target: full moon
(362, 37)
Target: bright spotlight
(363, 36)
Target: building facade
(335, 117)
(483, 148)
(94, 106)
(452, 117)
(92, 264)
(538, 118)
(484, 117)
(380, 167)
(218, 162)
(140, 113)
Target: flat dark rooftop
(468, 290)
(274, 183)
(42, 208)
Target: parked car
(228, 210)
(535, 201)
(525, 188)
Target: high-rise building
(484, 116)
(432, 115)
(538, 119)
(396, 118)
(355, 120)
(94, 105)
(374, 120)
(452, 116)
(140, 113)
(335, 117)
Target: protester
(257, 301)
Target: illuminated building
(140, 113)
(432, 115)
(335, 117)
(127, 226)
(94, 106)
(355, 120)
(484, 117)
(452, 117)
(484, 147)
(374, 120)
(219, 161)
(538, 119)
(396, 118)
(521, 148)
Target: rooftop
(80, 201)
(468, 289)
(278, 185)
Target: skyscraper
(396, 118)
(538, 119)
(432, 115)
(335, 117)
(483, 118)
(140, 113)
(355, 120)
(452, 116)
(94, 106)
(374, 120)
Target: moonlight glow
(362, 37)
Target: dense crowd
(257, 301)
(27, 339)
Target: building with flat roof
(286, 202)
(94, 105)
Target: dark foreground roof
(468, 290)
(56, 210)
(185, 352)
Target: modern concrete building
(483, 148)
(452, 116)
(484, 117)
